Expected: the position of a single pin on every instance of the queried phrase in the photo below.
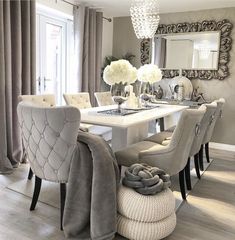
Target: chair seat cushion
(160, 138)
(144, 208)
(146, 231)
(130, 154)
(171, 129)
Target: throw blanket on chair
(90, 206)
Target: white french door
(51, 56)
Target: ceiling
(118, 8)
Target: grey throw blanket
(90, 206)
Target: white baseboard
(222, 146)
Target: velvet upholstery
(172, 157)
(82, 101)
(50, 138)
(104, 98)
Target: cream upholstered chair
(49, 137)
(104, 98)
(82, 101)
(171, 156)
(44, 100)
(209, 132)
(196, 145)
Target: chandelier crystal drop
(145, 18)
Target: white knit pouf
(138, 207)
(135, 230)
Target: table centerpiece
(119, 74)
(148, 74)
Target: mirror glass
(194, 50)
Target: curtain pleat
(88, 27)
(17, 75)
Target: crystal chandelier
(144, 17)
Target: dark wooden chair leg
(62, 202)
(37, 188)
(30, 175)
(120, 169)
(196, 164)
(187, 175)
(201, 159)
(182, 186)
(207, 152)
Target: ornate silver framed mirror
(200, 49)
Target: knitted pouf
(135, 230)
(138, 207)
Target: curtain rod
(108, 19)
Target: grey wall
(124, 40)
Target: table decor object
(118, 75)
(148, 74)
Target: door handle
(39, 84)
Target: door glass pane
(53, 59)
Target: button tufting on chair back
(79, 100)
(49, 137)
(104, 98)
(45, 100)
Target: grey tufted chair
(104, 98)
(170, 156)
(49, 136)
(209, 132)
(44, 100)
(82, 101)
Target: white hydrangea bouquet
(120, 71)
(149, 73)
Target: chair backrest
(49, 137)
(45, 100)
(78, 100)
(205, 123)
(183, 136)
(173, 157)
(217, 115)
(104, 98)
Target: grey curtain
(159, 52)
(17, 73)
(88, 27)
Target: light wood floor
(208, 214)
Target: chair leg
(207, 152)
(196, 164)
(182, 186)
(187, 175)
(201, 158)
(30, 175)
(62, 202)
(37, 188)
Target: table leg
(161, 123)
(122, 137)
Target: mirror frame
(225, 28)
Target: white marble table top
(91, 116)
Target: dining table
(131, 125)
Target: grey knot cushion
(138, 207)
(145, 179)
(146, 231)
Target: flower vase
(118, 95)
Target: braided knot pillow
(145, 179)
